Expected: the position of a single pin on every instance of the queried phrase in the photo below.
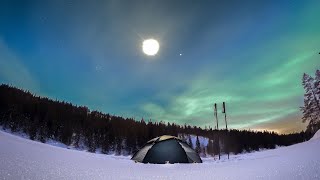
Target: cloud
(13, 71)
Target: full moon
(150, 47)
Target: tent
(166, 149)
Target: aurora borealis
(250, 54)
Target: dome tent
(166, 149)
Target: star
(98, 68)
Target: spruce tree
(210, 147)
(198, 148)
(190, 142)
(317, 84)
(216, 145)
(311, 108)
(118, 146)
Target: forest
(42, 119)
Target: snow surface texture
(316, 136)
(25, 159)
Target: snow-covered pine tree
(198, 147)
(190, 142)
(317, 84)
(311, 108)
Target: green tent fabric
(166, 149)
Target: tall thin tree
(317, 84)
(216, 116)
(311, 108)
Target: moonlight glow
(150, 47)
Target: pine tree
(105, 144)
(311, 108)
(210, 147)
(190, 142)
(317, 84)
(198, 148)
(118, 146)
(216, 146)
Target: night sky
(250, 54)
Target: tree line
(77, 126)
(311, 105)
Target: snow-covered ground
(25, 159)
(316, 136)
